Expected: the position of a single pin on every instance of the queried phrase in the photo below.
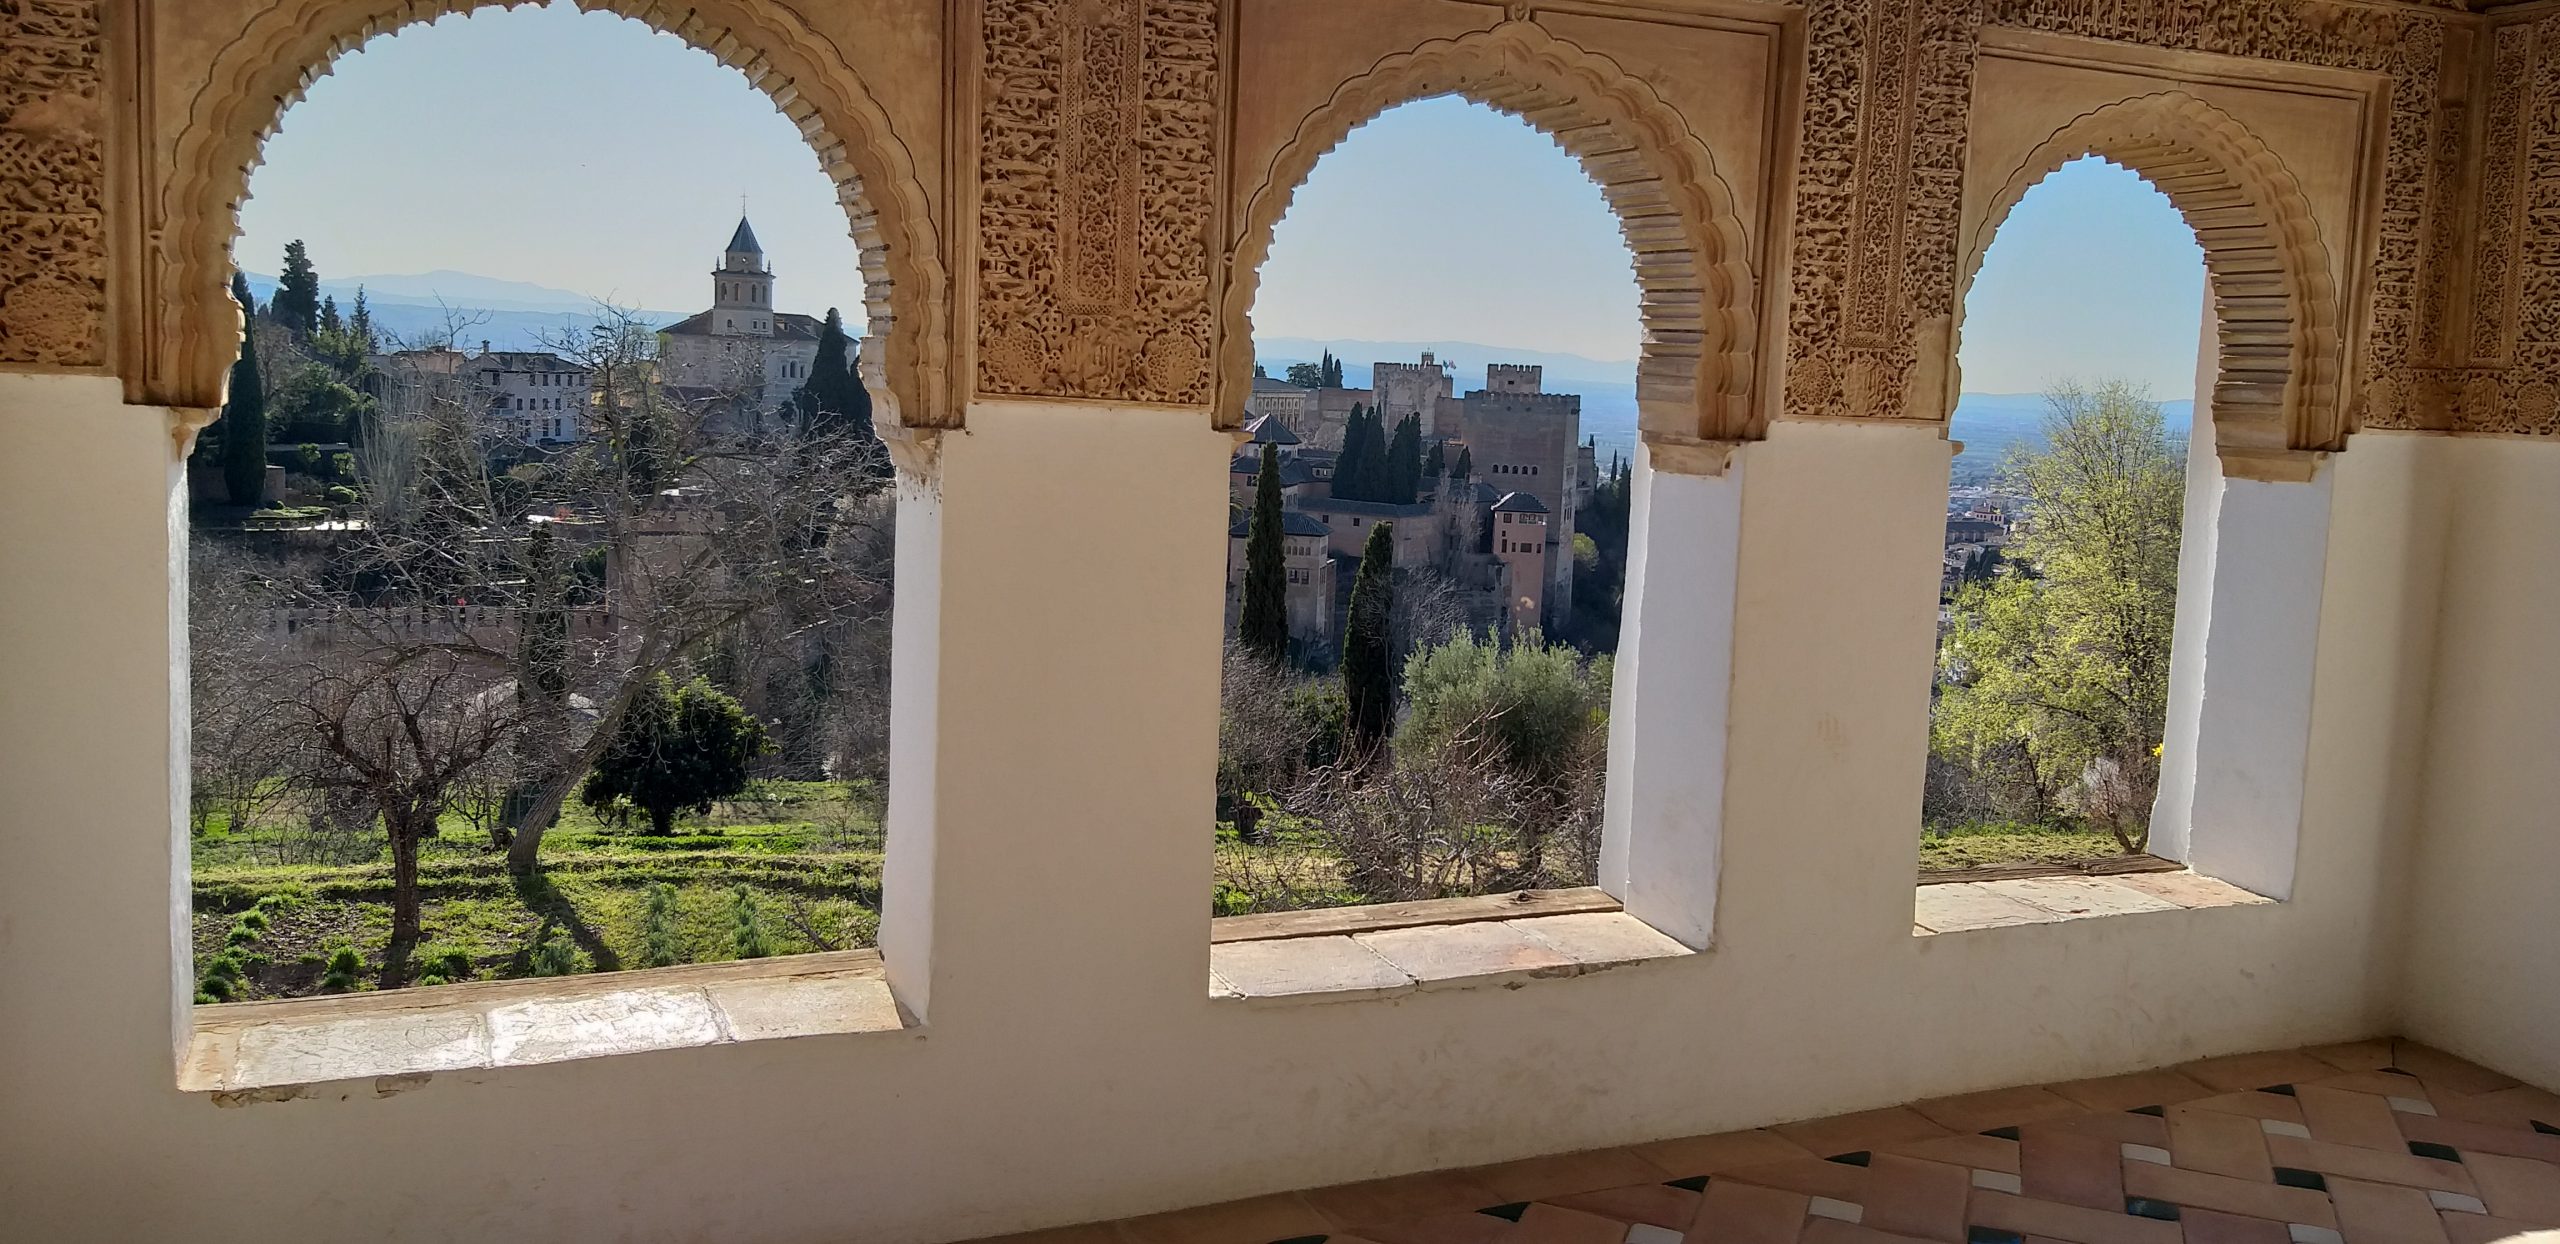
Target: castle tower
(742, 288)
(1520, 542)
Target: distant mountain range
(509, 315)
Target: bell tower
(742, 288)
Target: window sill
(1971, 906)
(249, 1051)
(1356, 953)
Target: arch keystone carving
(1676, 212)
(2277, 402)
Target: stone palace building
(2332, 1015)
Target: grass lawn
(1980, 846)
(808, 853)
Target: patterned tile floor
(2376, 1142)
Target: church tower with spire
(742, 288)
(741, 353)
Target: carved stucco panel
(1097, 168)
(53, 265)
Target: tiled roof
(1520, 503)
(786, 326)
(1268, 430)
(1292, 523)
(744, 239)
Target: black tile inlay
(1304, 1239)
(2544, 1128)
(1992, 1235)
(2145, 1207)
(2294, 1177)
(1511, 1212)
(1858, 1157)
(1694, 1183)
(2280, 1090)
(2154, 1111)
(2430, 1149)
(2011, 1133)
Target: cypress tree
(360, 325)
(1368, 670)
(1404, 461)
(244, 415)
(329, 321)
(1435, 463)
(1346, 467)
(1377, 479)
(542, 638)
(1263, 625)
(1329, 373)
(297, 301)
(832, 401)
(1465, 467)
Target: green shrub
(240, 935)
(432, 979)
(344, 965)
(254, 919)
(554, 955)
(747, 925)
(662, 943)
(214, 989)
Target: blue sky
(590, 153)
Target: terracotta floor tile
(2072, 1168)
(2009, 1107)
(1462, 1227)
(2219, 1144)
(2231, 1196)
(2345, 1118)
(1539, 1179)
(2254, 1105)
(1739, 1213)
(1659, 1205)
(1404, 1197)
(2519, 1141)
(1869, 1129)
(2463, 1228)
(2121, 1126)
(2515, 1107)
(2254, 1071)
(2377, 1083)
(1917, 1198)
(2518, 1188)
(1811, 1176)
(2067, 1222)
(2433, 1064)
(2206, 1226)
(2141, 1088)
(1834, 1231)
(2371, 1055)
(1706, 1155)
(2375, 1165)
(1283, 1217)
(1550, 1224)
(2382, 1214)
(1977, 1152)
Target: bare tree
(404, 691)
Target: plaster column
(1055, 697)
(1662, 830)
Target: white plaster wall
(1073, 1066)
(2483, 973)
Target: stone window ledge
(274, 1050)
(1349, 954)
(1969, 906)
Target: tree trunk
(662, 822)
(404, 885)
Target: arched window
(492, 709)
(1417, 623)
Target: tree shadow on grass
(544, 899)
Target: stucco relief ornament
(2537, 403)
(1174, 362)
(47, 319)
(1019, 356)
